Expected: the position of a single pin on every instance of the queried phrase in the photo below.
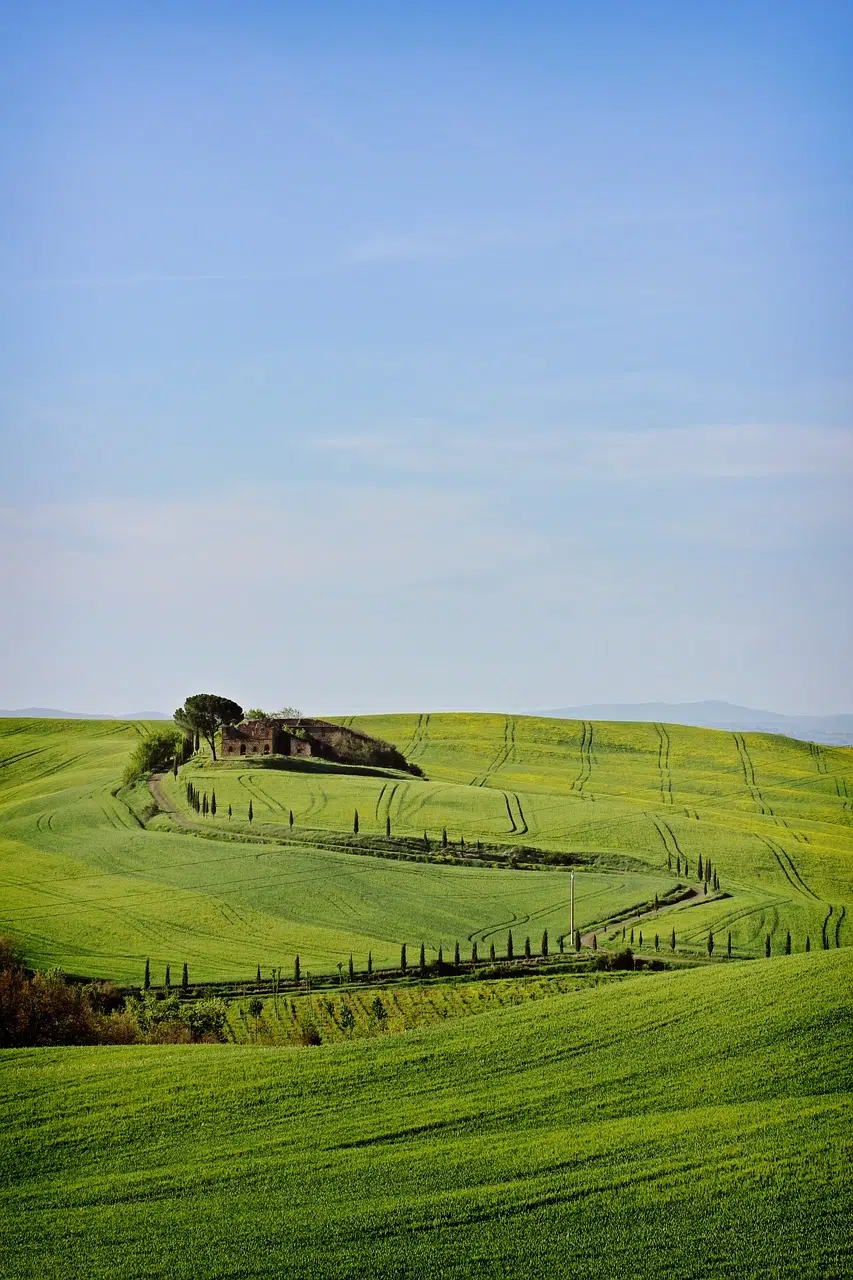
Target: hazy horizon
(386, 359)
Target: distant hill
(834, 730)
(51, 713)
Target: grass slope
(85, 885)
(691, 1124)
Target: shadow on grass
(313, 764)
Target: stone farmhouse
(278, 736)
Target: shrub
(154, 754)
(308, 1034)
(206, 1019)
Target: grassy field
(689, 1124)
(775, 815)
(84, 885)
(90, 882)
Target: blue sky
(394, 357)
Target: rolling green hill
(691, 1124)
(90, 881)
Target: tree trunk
(212, 740)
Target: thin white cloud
(650, 457)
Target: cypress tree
(440, 961)
(562, 942)
(251, 812)
(716, 882)
(672, 939)
(527, 952)
(229, 813)
(204, 806)
(686, 868)
(640, 938)
(457, 960)
(545, 943)
(185, 978)
(577, 939)
(623, 933)
(710, 943)
(668, 860)
(355, 823)
(175, 767)
(767, 946)
(403, 958)
(213, 804)
(290, 817)
(168, 982)
(370, 964)
(388, 827)
(705, 888)
(729, 945)
(788, 944)
(509, 954)
(461, 842)
(426, 842)
(444, 837)
(351, 969)
(656, 902)
(699, 874)
(808, 943)
(657, 943)
(594, 942)
(474, 956)
(422, 961)
(492, 952)
(258, 975)
(632, 937)
(678, 864)
(147, 979)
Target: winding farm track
(691, 899)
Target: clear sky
(398, 356)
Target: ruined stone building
(277, 736)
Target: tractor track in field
(663, 766)
(503, 754)
(843, 794)
(839, 922)
(818, 754)
(8, 761)
(513, 826)
(586, 761)
(419, 737)
(664, 830)
(789, 868)
(265, 795)
(762, 805)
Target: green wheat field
(695, 1122)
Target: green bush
(153, 755)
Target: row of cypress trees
(167, 983)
